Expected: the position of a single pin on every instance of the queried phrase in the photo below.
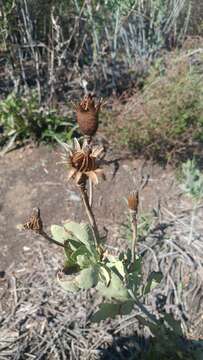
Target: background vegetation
(52, 46)
(165, 120)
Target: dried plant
(88, 264)
(84, 162)
(88, 115)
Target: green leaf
(59, 234)
(115, 290)
(67, 282)
(68, 253)
(83, 233)
(83, 261)
(137, 266)
(174, 324)
(87, 278)
(109, 310)
(106, 311)
(135, 276)
(153, 280)
(127, 307)
(83, 257)
(105, 274)
(74, 244)
(118, 265)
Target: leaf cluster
(21, 117)
(86, 266)
(192, 180)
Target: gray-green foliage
(143, 227)
(192, 180)
(85, 267)
(120, 282)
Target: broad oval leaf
(67, 282)
(59, 233)
(115, 290)
(110, 310)
(83, 233)
(87, 278)
(106, 311)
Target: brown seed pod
(133, 201)
(87, 114)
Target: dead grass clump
(165, 120)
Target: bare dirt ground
(33, 177)
(37, 319)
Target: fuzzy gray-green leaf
(106, 311)
(115, 290)
(110, 310)
(83, 233)
(67, 282)
(87, 278)
(59, 233)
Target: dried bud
(87, 115)
(34, 222)
(133, 201)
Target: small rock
(26, 248)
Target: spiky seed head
(84, 162)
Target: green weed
(143, 227)
(22, 118)
(192, 180)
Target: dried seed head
(87, 113)
(133, 201)
(34, 222)
(84, 162)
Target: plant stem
(143, 308)
(51, 240)
(90, 214)
(90, 192)
(134, 234)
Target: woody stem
(90, 192)
(90, 214)
(51, 240)
(134, 235)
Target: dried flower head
(87, 113)
(34, 222)
(133, 201)
(84, 162)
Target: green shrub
(22, 118)
(192, 180)
(165, 120)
